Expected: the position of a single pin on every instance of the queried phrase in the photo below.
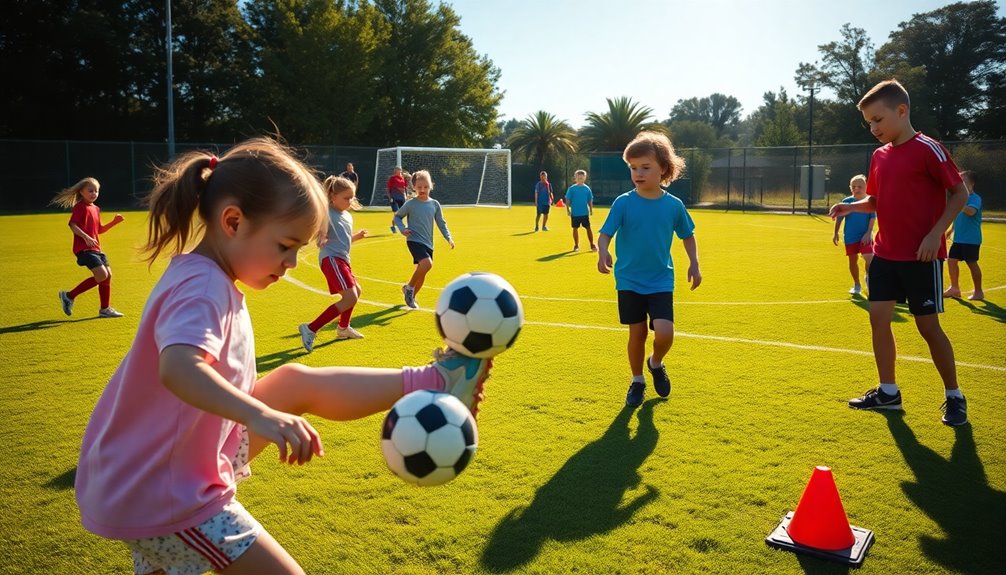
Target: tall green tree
(610, 131)
(541, 136)
(961, 47)
(718, 110)
(775, 121)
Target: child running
(182, 416)
(858, 233)
(421, 211)
(85, 222)
(645, 220)
(333, 258)
(579, 207)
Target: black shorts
(964, 252)
(633, 307)
(920, 284)
(91, 259)
(578, 221)
(544, 209)
(396, 204)
(419, 251)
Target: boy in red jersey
(910, 176)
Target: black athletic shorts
(419, 251)
(964, 252)
(633, 307)
(91, 259)
(578, 221)
(920, 284)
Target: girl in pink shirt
(184, 413)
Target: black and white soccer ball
(429, 437)
(479, 314)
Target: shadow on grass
(553, 257)
(43, 324)
(63, 481)
(583, 498)
(524, 234)
(956, 495)
(983, 307)
(899, 310)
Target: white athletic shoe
(306, 337)
(109, 312)
(855, 290)
(67, 302)
(347, 333)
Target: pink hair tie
(213, 162)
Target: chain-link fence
(31, 172)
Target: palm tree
(612, 130)
(540, 135)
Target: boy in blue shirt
(645, 219)
(967, 242)
(579, 207)
(858, 232)
(542, 200)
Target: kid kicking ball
(479, 315)
(428, 437)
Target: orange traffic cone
(819, 525)
(559, 204)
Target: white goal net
(461, 176)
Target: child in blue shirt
(579, 207)
(542, 200)
(422, 212)
(645, 219)
(858, 233)
(967, 242)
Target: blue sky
(567, 56)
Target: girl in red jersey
(85, 222)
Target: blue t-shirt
(644, 231)
(856, 223)
(579, 196)
(968, 229)
(541, 190)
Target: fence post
(796, 180)
(132, 166)
(729, 170)
(744, 181)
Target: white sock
(955, 393)
(638, 379)
(649, 362)
(889, 388)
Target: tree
(717, 110)
(504, 130)
(611, 131)
(540, 136)
(775, 121)
(694, 134)
(961, 47)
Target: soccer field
(566, 479)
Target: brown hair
(260, 176)
(424, 174)
(890, 92)
(336, 185)
(970, 176)
(660, 146)
(68, 197)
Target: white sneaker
(109, 312)
(347, 333)
(855, 290)
(67, 301)
(306, 337)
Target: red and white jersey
(910, 183)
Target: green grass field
(566, 480)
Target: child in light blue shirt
(967, 242)
(421, 211)
(579, 207)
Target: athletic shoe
(855, 290)
(876, 399)
(67, 301)
(634, 398)
(661, 382)
(109, 312)
(544, 228)
(306, 337)
(464, 377)
(955, 411)
(536, 228)
(410, 296)
(393, 230)
(593, 248)
(576, 248)
(347, 333)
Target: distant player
(542, 200)
(579, 207)
(396, 190)
(858, 233)
(85, 223)
(907, 187)
(967, 242)
(351, 175)
(333, 259)
(644, 221)
(421, 212)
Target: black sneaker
(661, 382)
(635, 396)
(876, 399)
(955, 411)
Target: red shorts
(338, 273)
(858, 248)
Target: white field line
(782, 344)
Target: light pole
(810, 149)
(170, 81)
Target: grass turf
(566, 480)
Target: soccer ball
(479, 315)
(428, 437)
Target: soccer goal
(461, 176)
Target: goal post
(461, 176)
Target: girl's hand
(363, 233)
(286, 429)
(118, 219)
(406, 232)
(834, 239)
(90, 242)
